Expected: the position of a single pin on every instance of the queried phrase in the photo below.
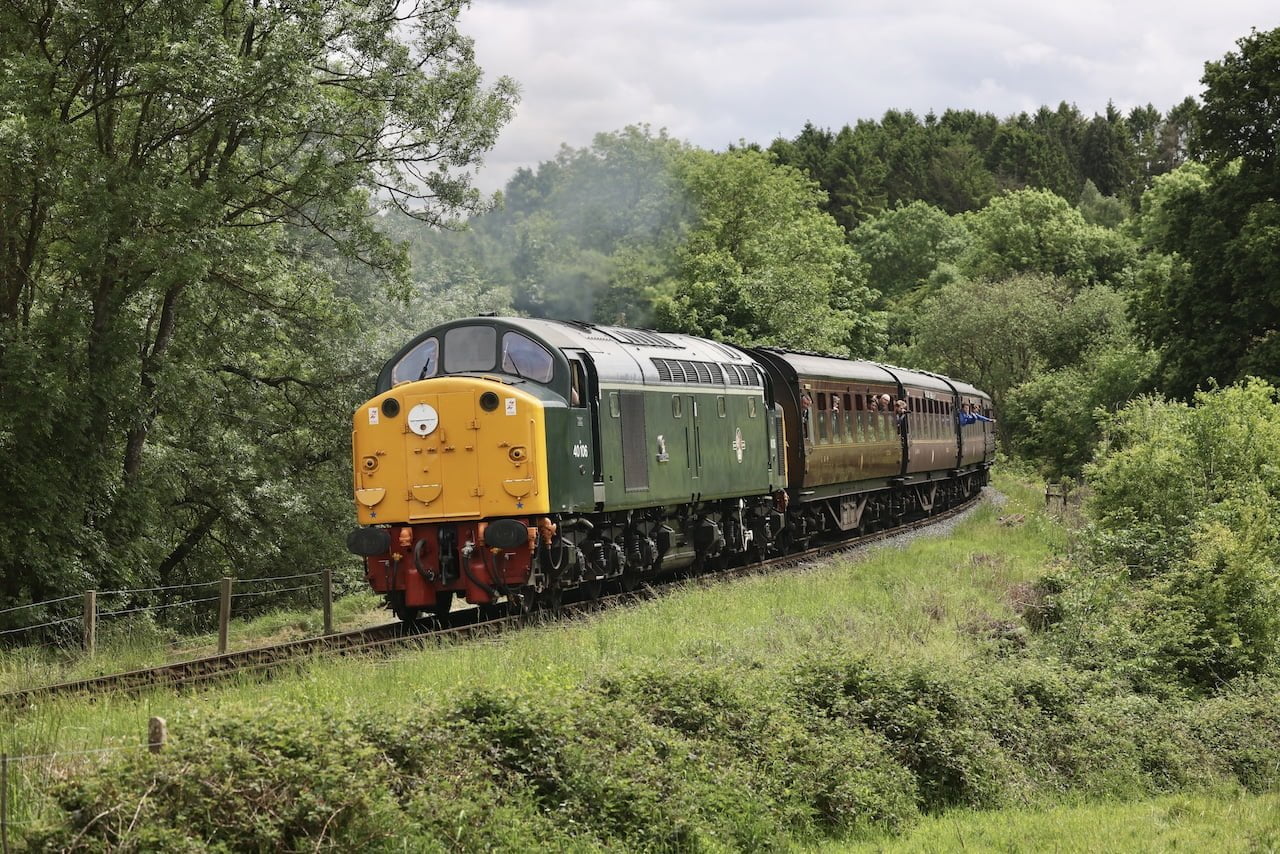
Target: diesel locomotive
(520, 459)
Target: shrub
(1187, 501)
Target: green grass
(921, 602)
(1216, 822)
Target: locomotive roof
(636, 355)
(648, 357)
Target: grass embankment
(834, 703)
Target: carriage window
(526, 358)
(613, 404)
(720, 410)
(751, 407)
(470, 348)
(857, 401)
(676, 410)
(418, 364)
(822, 400)
(848, 402)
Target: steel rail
(461, 624)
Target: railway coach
(519, 459)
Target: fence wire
(165, 588)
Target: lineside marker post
(90, 621)
(224, 614)
(157, 734)
(328, 601)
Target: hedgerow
(837, 746)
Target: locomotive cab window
(577, 384)
(524, 357)
(418, 364)
(470, 348)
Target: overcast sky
(714, 72)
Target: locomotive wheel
(550, 599)
(592, 589)
(403, 613)
(522, 600)
(444, 604)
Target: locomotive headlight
(423, 419)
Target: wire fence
(90, 614)
(27, 778)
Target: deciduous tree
(159, 160)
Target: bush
(840, 746)
(1184, 582)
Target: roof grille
(635, 336)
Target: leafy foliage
(1186, 584)
(182, 183)
(1056, 417)
(1215, 316)
(762, 264)
(1038, 231)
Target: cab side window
(577, 384)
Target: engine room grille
(738, 375)
(688, 371)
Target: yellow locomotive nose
(449, 448)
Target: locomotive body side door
(573, 447)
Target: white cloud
(713, 72)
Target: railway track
(461, 624)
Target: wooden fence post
(4, 801)
(90, 620)
(328, 601)
(224, 614)
(157, 734)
